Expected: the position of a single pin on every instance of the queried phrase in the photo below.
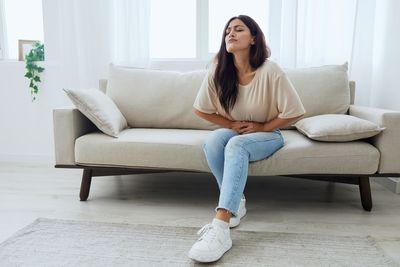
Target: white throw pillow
(337, 128)
(100, 109)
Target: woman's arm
(214, 118)
(245, 126)
(218, 119)
(252, 127)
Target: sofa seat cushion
(144, 147)
(182, 149)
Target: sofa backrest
(163, 99)
(323, 90)
(157, 99)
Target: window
(299, 32)
(191, 29)
(173, 29)
(221, 11)
(20, 20)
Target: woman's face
(238, 37)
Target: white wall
(26, 132)
(27, 127)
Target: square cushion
(99, 109)
(337, 128)
(322, 90)
(157, 98)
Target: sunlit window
(23, 20)
(173, 29)
(220, 11)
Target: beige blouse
(270, 94)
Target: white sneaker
(235, 221)
(212, 244)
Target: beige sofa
(165, 135)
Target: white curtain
(301, 33)
(361, 62)
(314, 33)
(84, 41)
(385, 91)
(3, 41)
(131, 24)
(94, 33)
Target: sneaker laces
(205, 231)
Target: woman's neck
(242, 63)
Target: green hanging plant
(32, 69)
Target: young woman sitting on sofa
(250, 97)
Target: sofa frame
(363, 181)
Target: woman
(251, 98)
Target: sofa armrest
(388, 141)
(69, 124)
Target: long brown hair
(225, 76)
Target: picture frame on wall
(24, 46)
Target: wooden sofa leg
(85, 185)
(365, 193)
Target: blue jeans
(228, 155)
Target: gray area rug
(50, 242)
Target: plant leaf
(28, 75)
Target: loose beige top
(270, 94)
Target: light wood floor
(281, 204)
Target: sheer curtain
(301, 33)
(131, 26)
(314, 33)
(3, 41)
(84, 41)
(86, 36)
(385, 91)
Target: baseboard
(391, 183)
(35, 159)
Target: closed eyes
(237, 29)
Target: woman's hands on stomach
(245, 127)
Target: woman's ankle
(223, 214)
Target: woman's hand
(237, 126)
(245, 127)
(251, 127)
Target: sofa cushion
(155, 98)
(139, 147)
(337, 128)
(323, 90)
(99, 109)
(182, 149)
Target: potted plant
(32, 69)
